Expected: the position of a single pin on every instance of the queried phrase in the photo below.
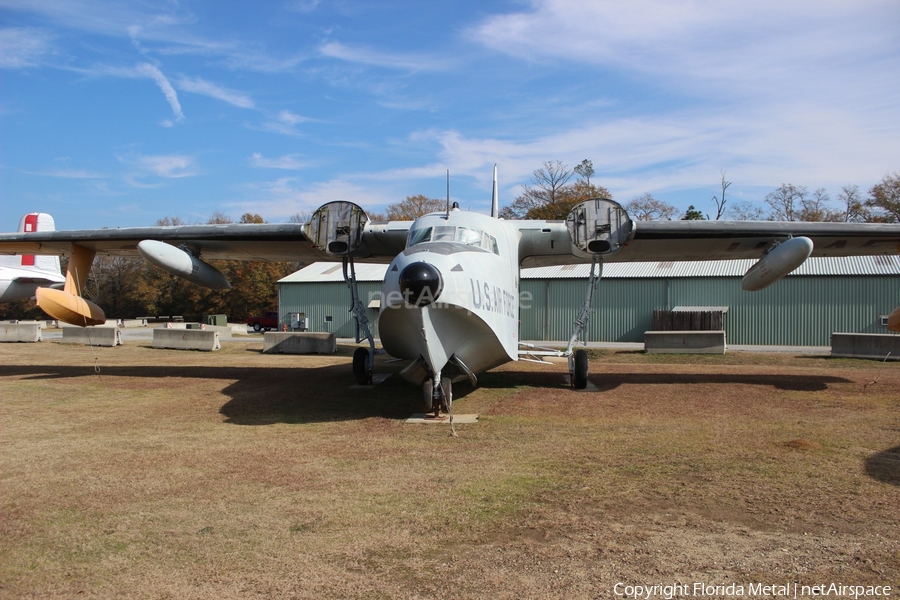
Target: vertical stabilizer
(495, 197)
(38, 222)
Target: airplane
(21, 275)
(450, 297)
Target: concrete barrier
(100, 335)
(684, 342)
(20, 332)
(186, 339)
(132, 323)
(278, 342)
(865, 345)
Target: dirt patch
(236, 474)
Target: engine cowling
(776, 263)
(598, 226)
(183, 264)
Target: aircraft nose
(420, 283)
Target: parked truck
(266, 321)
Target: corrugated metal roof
(330, 272)
(821, 265)
(817, 265)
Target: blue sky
(117, 113)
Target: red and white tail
(38, 222)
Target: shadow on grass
(885, 466)
(605, 382)
(263, 395)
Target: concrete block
(186, 339)
(100, 335)
(866, 345)
(128, 323)
(20, 332)
(278, 342)
(684, 342)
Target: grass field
(145, 473)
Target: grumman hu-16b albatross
(450, 299)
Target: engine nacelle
(183, 264)
(776, 263)
(599, 226)
(337, 228)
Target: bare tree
(648, 208)
(785, 202)
(720, 201)
(546, 187)
(855, 210)
(745, 210)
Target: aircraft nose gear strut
(363, 359)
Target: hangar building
(825, 295)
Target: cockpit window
(451, 233)
(417, 236)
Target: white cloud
(22, 47)
(196, 85)
(148, 70)
(285, 122)
(368, 56)
(291, 162)
(167, 166)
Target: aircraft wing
(283, 242)
(547, 243)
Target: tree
(648, 208)
(410, 209)
(745, 210)
(585, 170)
(885, 197)
(785, 201)
(855, 210)
(692, 214)
(720, 201)
(816, 208)
(546, 188)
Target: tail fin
(38, 222)
(495, 198)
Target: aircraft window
(469, 237)
(417, 236)
(449, 233)
(444, 233)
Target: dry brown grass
(235, 474)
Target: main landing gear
(578, 359)
(363, 358)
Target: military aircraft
(21, 275)
(450, 298)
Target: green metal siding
(322, 299)
(802, 311)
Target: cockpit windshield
(452, 233)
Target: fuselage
(18, 282)
(469, 313)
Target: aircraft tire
(580, 377)
(427, 399)
(360, 367)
